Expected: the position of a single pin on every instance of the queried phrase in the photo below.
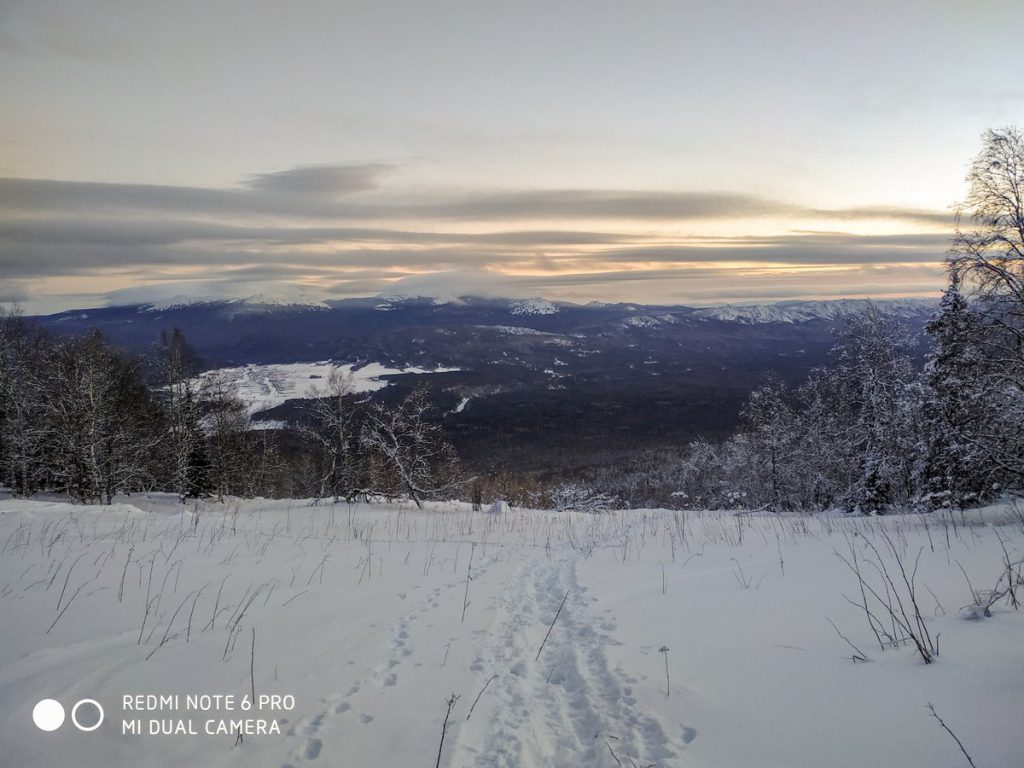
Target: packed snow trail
(567, 708)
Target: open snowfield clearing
(365, 615)
(262, 387)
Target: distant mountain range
(252, 304)
(530, 381)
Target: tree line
(81, 418)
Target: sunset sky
(660, 152)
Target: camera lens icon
(99, 717)
(49, 715)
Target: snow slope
(365, 615)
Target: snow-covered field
(262, 387)
(365, 615)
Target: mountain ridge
(786, 311)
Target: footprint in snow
(313, 747)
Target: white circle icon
(74, 715)
(48, 715)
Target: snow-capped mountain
(260, 302)
(265, 302)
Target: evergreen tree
(192, 470)
(955, 470)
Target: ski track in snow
(568, 707)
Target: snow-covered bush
(576, 497)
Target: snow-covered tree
(773, 441)
(988, 261)
(23, 384)
(872, 356)
(226, 423)
(409, 447)
(177, 365)
(335, 430)
(100, 436)
(825, 465)
(700, 475)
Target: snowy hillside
(262, 387)
(650, 321)
(804, 311)
(647, 637)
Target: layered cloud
(348, 230)
(328, 192)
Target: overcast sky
(666, 152)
